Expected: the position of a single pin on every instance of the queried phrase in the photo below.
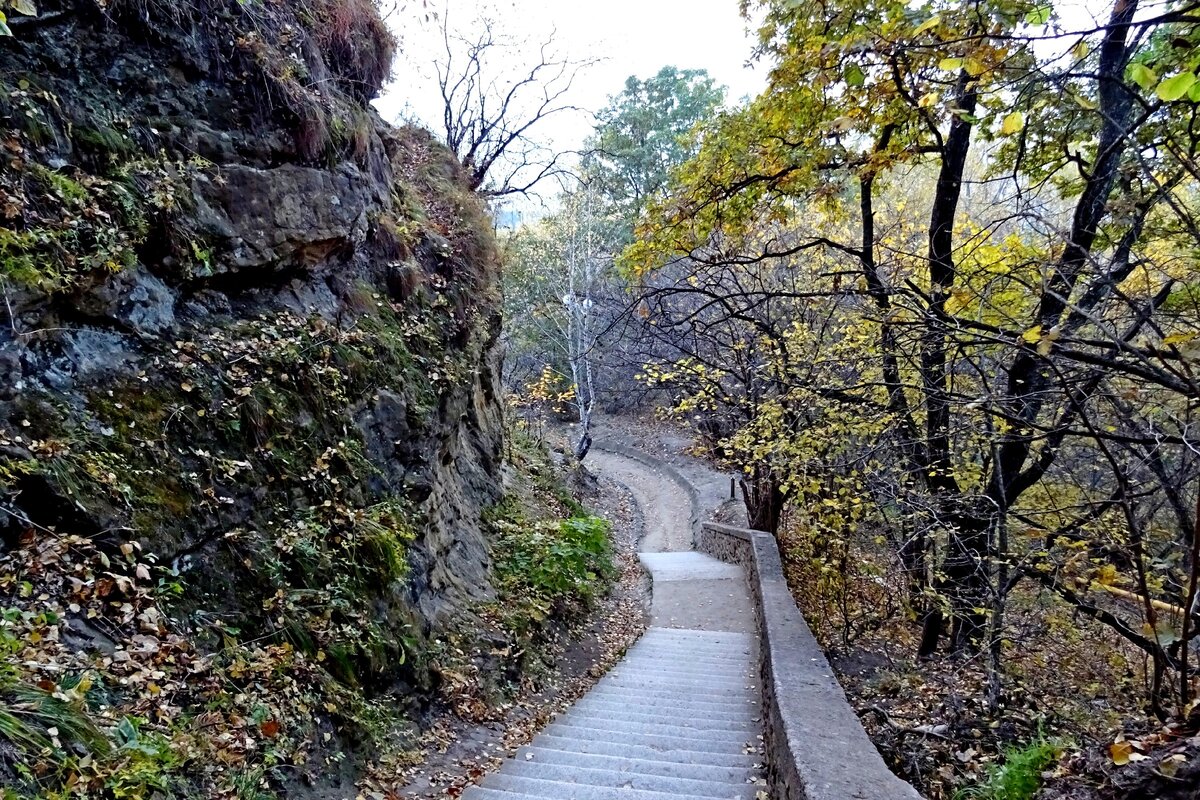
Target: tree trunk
(764, 500)
(969, 585)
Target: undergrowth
(552, 557)
(548, 567)
(1018, 776)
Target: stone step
(715, 639)
(707, 644)
(593, 705)
(676, 699)
(692, 657)
(685, 668)
(700, 687)
(748, 722)
(686, 659)
(630, 763)
(727, 637)
(583, 719)
(620, 779)
(674, 666)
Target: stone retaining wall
(816, 747)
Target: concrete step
(699, 687)
(645, 752)
(703, 648)
(674, 666)
(685, 668)
(747, 712)
(664, 568)
(716, 637)
(559, 790)
(656, 741)
(692, 657)
(626, 780)
(676, 699)
(665, 728)
(657, 668)
(643, 766)
(698, 643)
(748, 722)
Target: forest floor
(461, 744)
(1072, 715)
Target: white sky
(633, 37)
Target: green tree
(645, 131)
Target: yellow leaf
(959, 299)
(950, 64)
(1033, 335)
(1013, 123)
(1178, 338)
(928, 24)
(1170, 765)
(1120, 752)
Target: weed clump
(1019, 775)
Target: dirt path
(665, 506)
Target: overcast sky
(632, 37)
(629, 37)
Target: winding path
(679, 716)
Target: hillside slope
(249, 421)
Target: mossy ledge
(249, 412)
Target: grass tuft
(1019, 776)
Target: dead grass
(316, 63)
(355, 42)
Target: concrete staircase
(679, 717)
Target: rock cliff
(248, 353)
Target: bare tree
(493, 98)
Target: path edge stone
(816, 746)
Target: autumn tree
(1005, 342)
(646, 130)
(567, 301)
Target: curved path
(679, 716)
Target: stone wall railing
(816, 746)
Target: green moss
(545, 566)
(104, 143)
(99, 226)
(65, 188)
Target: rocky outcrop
(246, 324)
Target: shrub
(547, 567)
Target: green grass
(1019, 776)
